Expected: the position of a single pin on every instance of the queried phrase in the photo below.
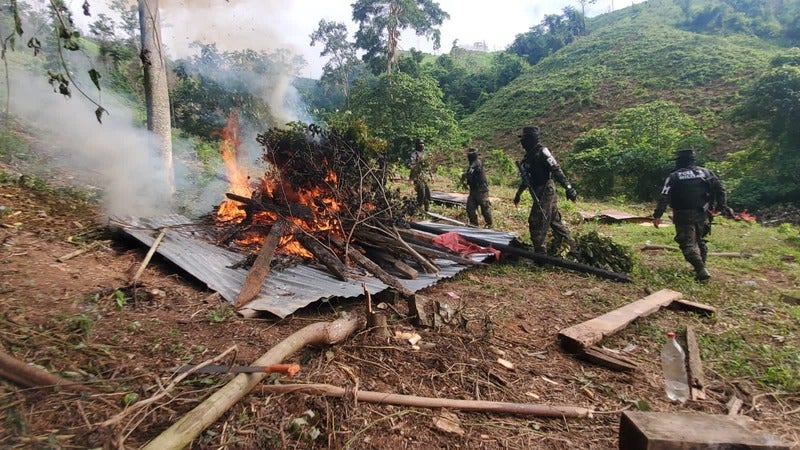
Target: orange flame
(229, 210)
(324, 207)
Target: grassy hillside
(632, 56)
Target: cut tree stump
(577, 337)
(696, 431)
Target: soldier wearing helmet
(692, 192)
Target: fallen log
(28, 376)
(520, 409)
(260, 270)
(185, 430)
(538, 257)
(387, 261)
(396, 244)
(370, 266)
(323, 255)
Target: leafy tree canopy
(633, 154)
(381, 22)
(400, 108)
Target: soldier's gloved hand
(727, 212)
(572, 194)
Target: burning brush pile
(323, 198)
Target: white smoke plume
(119, 154)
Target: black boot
(701, 274)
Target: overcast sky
(270, 24)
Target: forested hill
(631, 56)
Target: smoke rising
(119, 155)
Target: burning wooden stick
(260, 270)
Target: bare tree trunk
(155, 88)
(393, 35)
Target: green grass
(754, 334)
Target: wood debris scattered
(581, 339)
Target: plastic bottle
(673, 362)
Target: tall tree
(381, 22)
(399, 108)
(155, 87)
(342, 53)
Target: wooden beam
(603, 357)
(258, 273)
(640, 430)
(697, 380)
(578, 337)
(699, 308)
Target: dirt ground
(66, 317)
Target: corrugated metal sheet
(285, 290)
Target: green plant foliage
(399, 108)
(633, 155)
(601, 251)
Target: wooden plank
(608, 359)
(697, 380)
(582, 335)
(258, 273)
(699, 308)
(640, 430)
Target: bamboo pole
(521, 409)
(185, 430)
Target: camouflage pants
(475, 200)
(544, 214)
(691, 229)
(423, 193)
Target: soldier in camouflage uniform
(537, 169)
(420, 174)
(475, 178)
(692, 191)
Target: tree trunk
(155, 89)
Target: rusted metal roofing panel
(285, 290)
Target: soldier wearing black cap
(475, 178)
(420, 174)
(537, 169)
(692, 191)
